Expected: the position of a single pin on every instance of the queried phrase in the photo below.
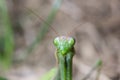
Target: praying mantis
(64, 54)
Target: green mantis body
(65, 53)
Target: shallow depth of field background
(95, 25)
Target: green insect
(65, 53)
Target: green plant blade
(2, 78)
(6, 37)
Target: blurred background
(26, 40)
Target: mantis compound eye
(56, 41)
(71, 41)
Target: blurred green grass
(7, 44)
(6, 36)
(2, 78)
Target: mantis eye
(71, 41)
(56, 41)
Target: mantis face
(64, 44)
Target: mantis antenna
(68, 34)
(40, 18)
(65, 52)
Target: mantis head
(64, 44)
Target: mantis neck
(65, 65)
